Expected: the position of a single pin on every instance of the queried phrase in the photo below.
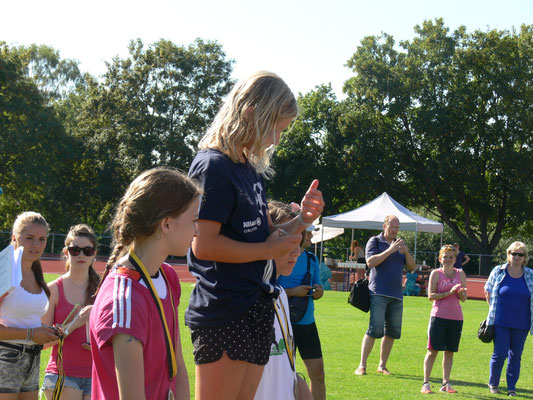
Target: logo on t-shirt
(258, 190)
(278, 348)
(250, 226)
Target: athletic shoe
(446, 387)
(511, 393)
(426, 388)
(494, 389)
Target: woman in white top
(21, 332)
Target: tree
(152, 108)
(149, 110)
(33, 143)
(455, 111)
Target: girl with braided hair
(135, 337)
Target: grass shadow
(523, 393)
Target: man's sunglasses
(75, 250)
(518, 254)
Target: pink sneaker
(446, 387)
(426, 388)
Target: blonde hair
(82, 230)
(249, 115)
(23, 220)
(389, 218)
(155, 194)
(447, 248)
(515, 246)
(280, 212)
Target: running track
(58, 267)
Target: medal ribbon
(285, 331)
(139, 267)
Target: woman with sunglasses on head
(76, 287)
(509, 292)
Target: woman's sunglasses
(75, 250)
(518, 254)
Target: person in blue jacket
(509, 292)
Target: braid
(155, 194)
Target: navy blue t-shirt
(234, 195)
(459, 259)
(386, 278)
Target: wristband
(302, 220)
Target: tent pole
(322, 241)
(348, 255)
(416, 234)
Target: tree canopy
(442, 121)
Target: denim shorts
(19, 371)
(385, 317)
(81, 384)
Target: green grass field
(341, 329)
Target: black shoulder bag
(298, 305)
(360, 294)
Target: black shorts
(246, 339)
(307, 341)
(444, 334)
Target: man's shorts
(385, 317)
(247, 339)
(307, 341)
(444, 334)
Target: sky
(306, 42)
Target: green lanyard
(139, 266)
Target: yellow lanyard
(139, 266)
(285, 331)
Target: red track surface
(58, 267)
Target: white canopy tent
(322, 233)
(372, 215)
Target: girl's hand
(302, 290)
(280, 243)
(312, 204)
(456, 288)
(84, 314)
(319, 291)
(44, 335)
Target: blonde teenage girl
(447, 285)
(21, 332)
(230, 312)
(135, 337)
(76, 287)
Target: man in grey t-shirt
(386, 254)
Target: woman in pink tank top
(75, 288)
(447, 285)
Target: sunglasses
(75, 250)
(518, 254)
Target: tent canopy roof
(372, 215)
